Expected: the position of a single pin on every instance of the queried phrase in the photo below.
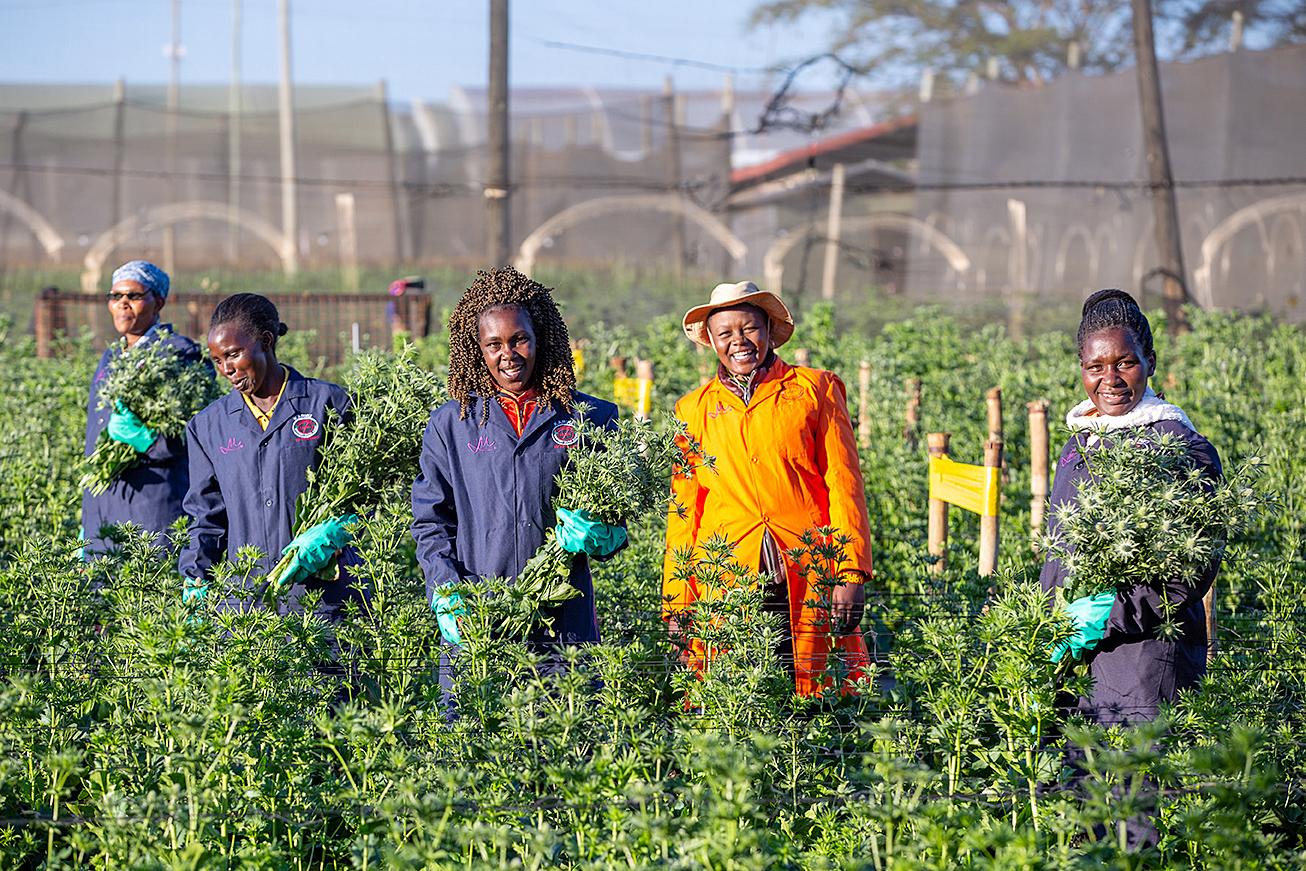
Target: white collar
(1150, 409)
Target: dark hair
(1112, 308)
(251, 311)
(507, 288)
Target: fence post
(864, 404)
(644, 374)
(419, 315)
(911, 430)
(1212, 625)
(44, 318)
(802, 357)
(937, 444)
(1038, 468)
(989, 538)
(994, 400)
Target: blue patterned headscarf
(144, 273)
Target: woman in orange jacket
(786, 463)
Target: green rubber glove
(582, 532)
(1088, 615)
(124, 426)
(314, 547)
(193, 591)
(447, 611)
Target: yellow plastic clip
(975, 488)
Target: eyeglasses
(133, 296)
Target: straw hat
(727, 295)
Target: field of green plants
(135, 736)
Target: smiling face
(506, 338)
(241, 357)
(741, 337)
(133, 308)
(1115, 370)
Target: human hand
(124, 426)
(448, 608)
(581, 532)
(1088, 615)
(847, 606)
(312, 549)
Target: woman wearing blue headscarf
(149, 493)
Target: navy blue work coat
(150, 493)
(484, 501)
(1133, 670)
(244, 483)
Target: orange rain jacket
(786, 462)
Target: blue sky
(419, 48)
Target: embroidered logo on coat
(305, 427)
(231, 446)
(721, 408)
(483, 445)
(564, 434)
(1070, 458)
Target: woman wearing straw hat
(786, 463)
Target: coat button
(754, 459)
(268, 503)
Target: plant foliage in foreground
(130, 737)
(158, 386)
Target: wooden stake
(1038, 468)
(994, 400)
(1212, 625)
(911, 430)
(802, 357)
(644, 372)
(864, 404)
(937, 444)
(988, 557)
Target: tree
(894, 40)
(1202, 26)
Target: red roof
(844, 147)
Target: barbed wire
(476, 187)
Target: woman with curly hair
(484, 499)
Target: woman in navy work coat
(1133, 670)
(250, 453)
(150, 493)
(483, 501)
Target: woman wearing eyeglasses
(148, 494)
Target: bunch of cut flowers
(1150, 516)
(153, 382)
(614, 475)
(371, 456)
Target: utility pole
(286, 109)
(497, 203)
(1169, 249)
(174, 106)
(674, 180)
(234, 111)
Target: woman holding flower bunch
(1116, 632)
(484, 500)
(150, 492)
(786, 463)
(250, 454)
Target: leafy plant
(373, 453)
(156, 384)
(1150, 516)
(615, 475)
